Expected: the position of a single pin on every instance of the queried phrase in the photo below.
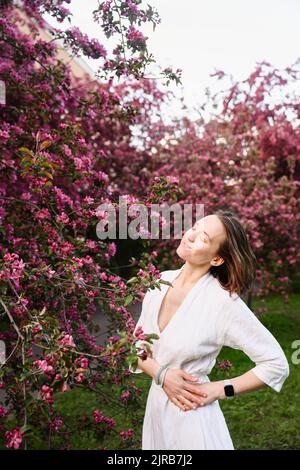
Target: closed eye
(204, 237)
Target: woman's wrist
(161, 371)
(150, 366)
(220, 393)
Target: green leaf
(26, 150)
(128, 299)
(46, 165)
(132, 279)
(46, 173)
(44, 145)
(167, 283)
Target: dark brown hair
(238, 272)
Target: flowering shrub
(243, 154)
(57, 135)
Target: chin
(181, 253)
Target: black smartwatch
(228, 389)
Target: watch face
(229, 390)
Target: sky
(200, 37)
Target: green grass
(263, 419)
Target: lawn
(263, 419)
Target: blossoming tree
(54, 271)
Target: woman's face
(199, 245)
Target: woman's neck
(191, 273)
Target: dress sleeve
(141, 322)
(244, 331)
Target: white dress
(207, 319)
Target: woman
(201, 312)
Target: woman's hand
(213, 390)
(188, 396)
(180, 392)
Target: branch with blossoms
(118, 18)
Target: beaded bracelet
(163, 378)
(157, 377)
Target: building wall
(78, 66)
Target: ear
(217, 261)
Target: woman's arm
(244, 383)
(245, 332)
(241, 329)
(150, 366)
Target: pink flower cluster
(113, 339)
(225, 364)
(139, 333)
(132, 7)
(36, 329)
(134, 36)
(106, 6)
(84, 362)
(125, 395)
(127, 434)
(67, 340)
(79, 41)
(3, 411)
(13, 269)
(56, 424)
(43, 365)
(48, 394)
(80, 378)
(14, 438)
(99, 418)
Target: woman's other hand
(182, 393)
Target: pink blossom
(63, 218)
(3, 411)
(112, 248)
(127, 434)
(80, 378)
(43, 365)
(125, 395)
(106, 6)
(111, 423)
(47, 392)
(4, 136)
(84, 362)
(78, 40)
(42, 214)
(14, 438)
(135, 36)
(29, 352)
(67, 340)
(36, 329)
(133, 7)
(98, 416)
(139, 333)
(56, 424)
